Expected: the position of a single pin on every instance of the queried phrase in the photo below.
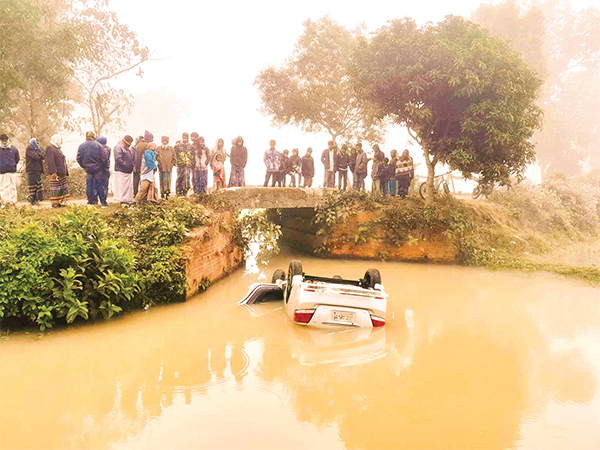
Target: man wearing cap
(184, 159)
(124, 161)
(140, 148)
(93, 159)
(9, 158)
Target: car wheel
(372, 277)
(294, 269)
(278, 275)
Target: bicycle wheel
(476, 192)
(423, 190)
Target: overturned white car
(324, 302)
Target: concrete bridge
(251, 197)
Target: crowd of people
(391, 176)
(138, 161)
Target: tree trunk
(430, 175)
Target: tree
(465, 97)
(112, 49)
(313, 91)
(569, 43)
(36, 56)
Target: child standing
(218, 168)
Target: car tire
(294, 269)
(372, 277)
(278, 275)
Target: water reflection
(459, 364)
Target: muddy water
(468, 359)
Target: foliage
(256, 227)
(467, 98)
(111, 50)
(312, 89)
(563, 45)
(156, 233)
(37, 52)
(58, 54)
(63, 267)
(338, 205)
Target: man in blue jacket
(93, 159)
(9, 158)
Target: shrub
(64, 267)
(156, 232)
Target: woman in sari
(58, 172)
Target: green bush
(156, 232)
(63, 267)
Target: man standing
(308, 168)
(183, 160)
(360, 169)
(271, 160)
(92, 158)
(239, 158)
(328, 160)
(341, 167)
(165, 166)
(140, 149)
(34, 166)
(104, 174)
(9, 158)
(124, 162)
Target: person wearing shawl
(218, 172)
(9, 158)
(165, 166)
(184, 159)
(239, 158)
(58, 172)
(34, 166)
(405, 172)
(200, 168)
(124, 155)
(392, 187)
(104, 175)
(149, 165)
(220, 149)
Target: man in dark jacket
(104, 174)
(308, 168)
(124, 162)
(92, 157)
(239, 158)
(34, 166)
(9, 158)
(341, 167)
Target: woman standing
(34, 166)
(58, 172)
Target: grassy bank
(528, 228)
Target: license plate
(341, 316)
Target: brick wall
(211, 252)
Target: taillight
(377, 321)
(303, 315)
